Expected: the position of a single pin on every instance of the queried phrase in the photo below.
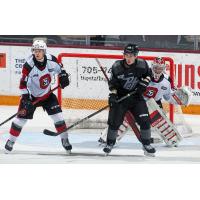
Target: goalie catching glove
(63, 79)
(183, 96)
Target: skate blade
(68, 152)
(106, 154)
(149, 154)
(7, 151)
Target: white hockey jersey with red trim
(37, 80)
(159, 90)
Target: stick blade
(50, 133)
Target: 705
(94, 70)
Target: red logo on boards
(2, 60)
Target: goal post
(113, 57)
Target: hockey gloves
(143, 83)
(63, 79)
(112, 99)
(26, 105)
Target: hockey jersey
(160, 89)
(36, 80)
(125, 79)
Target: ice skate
(66, 145)
(149, 150)
(101, 141)
(9, 146)
(107, 149)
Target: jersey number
(45, 81)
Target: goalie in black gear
(129, 74)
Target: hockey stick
(51, 133)
(128, 116)
(104, 73)
(35, 102)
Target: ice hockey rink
(34, 147)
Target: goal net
(88, 91)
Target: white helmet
(158, 67)
(39, 44)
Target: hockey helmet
(131, 49)
(158, 67)
(39, 44)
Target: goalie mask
(158, 67)
(39, 44)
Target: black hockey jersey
(125, 79)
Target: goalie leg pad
(122, 130)
(120, 133)
(163, 125)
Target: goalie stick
(52, 133)
(128, 116)
(35, 102)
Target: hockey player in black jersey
(127, 75)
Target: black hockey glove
(143, 83)
(112, 99)
(63, 79)
(26, 104)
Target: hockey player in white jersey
(35, 83)
(160, 87)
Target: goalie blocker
(162, 125)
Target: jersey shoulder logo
(163, 88)
(35, 75)
(50, 70)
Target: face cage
(157, 75)
(32, 49)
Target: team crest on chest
(45, 81)
(150, 92)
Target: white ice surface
(34, 147)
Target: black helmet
(131, 48)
